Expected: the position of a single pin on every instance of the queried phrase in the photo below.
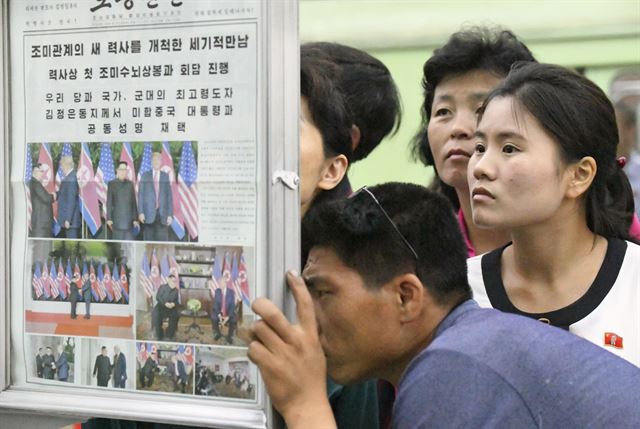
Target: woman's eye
(509, 149)
(442, 112)
(479, 148)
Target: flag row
(51, 282)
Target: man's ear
(333, 172)
(356, 135)
(409, 294)
(582, 174)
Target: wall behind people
(599, 38)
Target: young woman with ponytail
(545, 168)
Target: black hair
(37, 165)
(477, 48)
(172, 276)
(364, 239)
(372, 98)
(123, 162)
(103, 348)
(579, 117)
(318, 84)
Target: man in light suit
(119, 368)
(41, 205)
(62, 364)
(224, 311)
(155, 202)
(121, 205)
(68, 206)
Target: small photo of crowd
(53, 358)
(194, 294)
(79, 288)
(106, 363)
(225, 372)
(92, 191)
(164, 367)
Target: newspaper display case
(150, 175)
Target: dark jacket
(121, 204)
(147, 197)
(68, 205)
(102, 368)
(41, 210)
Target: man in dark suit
(39, 363)
(155, 202)
(62, 364)
(68, 205)
(48, 364)
(166, 306)
(148, 372)
(83, 292)
(224, 311)
(102, 368)
(121, 205)
(41, 205)
(119, 368)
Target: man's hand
(110, 223)
(170, 305)
(136, 224)
(291, 360)
(169, 219)
(141, 217)
(67, 224)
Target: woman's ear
(582, 174)
(355, 137)
(333, 172)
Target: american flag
(95, 287)
(126, 155)
(28, 169)
(36, 283)
(243, 281)
(105, 282)
(88, 196)
(234, 278)
(44, 281)
(188, 190)
(167, 166)
(155, 277)
(145, 164)
(53, 275)
(68, 275)
(48, 181)
(104, 174)
(124, 282)
(145, 277)
(62, 285)
(115, 281)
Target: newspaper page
(135, 171)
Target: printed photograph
(225, 372)
(113, 191)
(108, 363)
(164, 367)
(79, 288)
(53, 358)
(193, 294)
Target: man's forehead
(323, 262)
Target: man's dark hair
(172, 276)
(37, 165)
(372, 98)
(123, 162)
(364, 239)
(477, 48)
(49, 347)
(103, 348)
(318, 84)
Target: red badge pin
(613, 340)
